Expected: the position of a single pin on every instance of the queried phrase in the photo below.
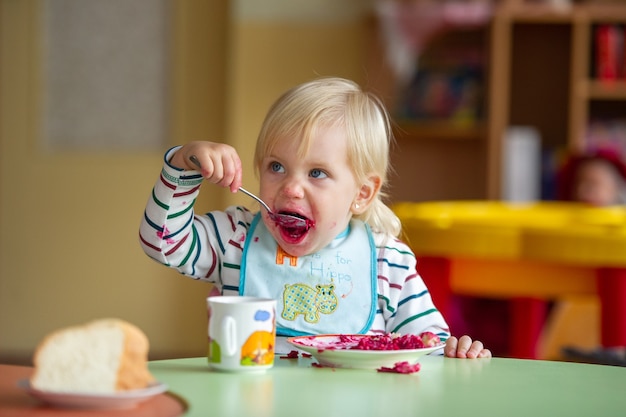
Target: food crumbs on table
(319, 365)
(401, 368)
(291, 355)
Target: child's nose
(293, 188)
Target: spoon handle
(243, 190)
(195, 161)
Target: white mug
(242, 333)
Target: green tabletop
(443, 387)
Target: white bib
(330, 291)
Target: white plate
(329, 351)
(126, 399)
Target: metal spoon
(284, 220)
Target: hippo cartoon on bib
(308, 301)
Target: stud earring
(356, 205)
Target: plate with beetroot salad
(388, 352)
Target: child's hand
(465, 348)
(219, 163)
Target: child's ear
(367, 193)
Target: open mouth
(295, 231)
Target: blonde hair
(328, 102)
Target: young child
(321, 155)
(597, 178)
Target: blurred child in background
(597, 178)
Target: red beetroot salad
(388, 341)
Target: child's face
(320, 187)
(596, 184)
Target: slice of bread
(104, 357)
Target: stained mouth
(299, 219)
(296, 230)
(293, 214)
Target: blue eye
(318, 173)
(276, 167)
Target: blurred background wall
(71, 197)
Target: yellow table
(524, 252)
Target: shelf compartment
(605, 90)
(541, 13)
(442, 130)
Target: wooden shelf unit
(432, 159)
(537, 74)
(568, 32)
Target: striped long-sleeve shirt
(209, 247)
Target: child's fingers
(231, 172)
(458, 348)
(238, 176)
(461, 347)
(475, 349)
(485, 353)
(451, 345)
(218, 163)
(464, 347)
